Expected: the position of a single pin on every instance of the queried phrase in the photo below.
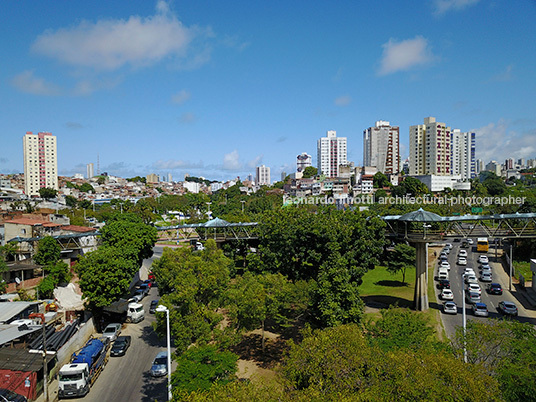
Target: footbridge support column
(420, 299)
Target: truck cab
(73, 380)
(135, 312)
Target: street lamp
(162, 309)
(464, 319)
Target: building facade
(90, 170)
(262, 176)
(40, 162)
(381, 147)
(462, 154)
(331, 153)
(429, 152)
(302, 161)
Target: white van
(442, 273)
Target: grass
(523, 268)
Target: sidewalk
(52, 392)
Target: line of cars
(472, 291)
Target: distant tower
(98, 165)
(331, 153)
(263, 176)
(40, 162)
(302, 161)
(381, 147)
(90, 172)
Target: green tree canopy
(400, 259)
(47, 193)
(309, 171)
(48, 251)
(380, 180)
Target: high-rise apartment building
(90, 171)
(381, 147)
(40, 162)
(262, 176)
(302, 161)
(429, 152)
(331, 153)
(462, 154)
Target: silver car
(472, 297)
(112, 331)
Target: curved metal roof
(420, 216)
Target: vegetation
(48, 255)
(47, 193)
(402, 258)
(309, 171)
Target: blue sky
(214, 88)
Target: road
(127, 378)
(452, 322)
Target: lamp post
(162, 309)
(511, 263)
(464, 319)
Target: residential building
(462, 154)
(381, 147)
(509, 163)
(439, 183)
(331, 153)
(152, 178)
(429, 151)
(262, 177)
(479, 166)
(40, 162)
(495, 167)
(302, 161)
(192, 186)
(90, 171)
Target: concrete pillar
(420, 299)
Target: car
(462, 261)
(507, 308)
(483, 259)
(465, 244)
(112, 331)
(154, 304)
(148, 282)
(468, 271)
(145, 287)
(445, 264)
(470, 241)
(446, 294)
(471, 279)
(450, 308)
(457, 240)
(486, 277)
(443, 257)
(448, 245)
(474, 287)
(485, 269)
(494, 289)
(446, 250)
(159, 366)
(462, 253)
(472, 297)
(443, 284)
(139, 294)
(7, 395)
(120, 346)
(480, 309)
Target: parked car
(486, 277)
(145, 287)
(470, 241)
(462, 253)
(480, 309)
(159, 367)
(139, 294)
(507, 308)
(9, 396)
(446, 294)
(472, 297)
(445, 264)
(462, 261)
(483, 259)
(448, 245)
(154, 304)
(450, 308)
(443, 284)
(120, 345)
(494, 289)
(112, 331)
(474, 287)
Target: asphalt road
(128, 378)
(452, 322)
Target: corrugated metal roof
(8, 310)
(21, 360)
(9, 333)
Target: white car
(448, 245)
(480, 309)
(486, 277)
(470, 241)
(483, 259)
(474, 287)
(445, 264)
(471, 279)
(446, 294)
(462, 261)
(462, 253)
(469, 271)
(450, 308)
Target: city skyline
(224, 93)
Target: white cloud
(111, 44)
(443, 6)
(252, 164)
(506, 75)
(187, 117)
(231, 161)
(343, 100)
(29, 83)
(497, 141)
(176, 164)
(404, 55)
(180, 97)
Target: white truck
(76, 377)
(125, 310)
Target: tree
(309, 171)
(86, 188)
(380, 180)
(48, 251)
(70, 201)
(400, 259)
(47, 193)
(105, 275)
(202, 366)
(3, 267)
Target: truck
(125, 310)
(76, 377)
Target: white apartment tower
(462, 154)
(302, 161)
(331, 153)
(429, 152)
(90, 170)
(381, 147)
(40, 162)
(262, 176)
